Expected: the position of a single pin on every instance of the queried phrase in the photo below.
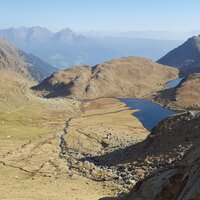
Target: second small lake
(150, 113)
(174, 83)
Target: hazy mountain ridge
(151, 34)
(27, 65)
(23, 36)
(66, 48)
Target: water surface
(150, 114)
(173, 83)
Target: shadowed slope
(24, 64)
(186, 57)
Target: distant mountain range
(67, 48)
(26, 65)
(150, 34)
(186, 57)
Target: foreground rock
(125, 77)
(178, 182)
(185, 96)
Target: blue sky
(102, 15)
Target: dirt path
(17, 110)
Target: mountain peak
(65, 35)
(66, 30)
(39, 33)
(186, 57)
(195, 41)
(25, 34)
(39, 29)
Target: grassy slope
(25, 117)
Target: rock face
(24, 64)
(185, 57)
(184, 96)
(179, 182)
(125, 77)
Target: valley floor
(33, 164)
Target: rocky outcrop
(178, 182)
(125, 77)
